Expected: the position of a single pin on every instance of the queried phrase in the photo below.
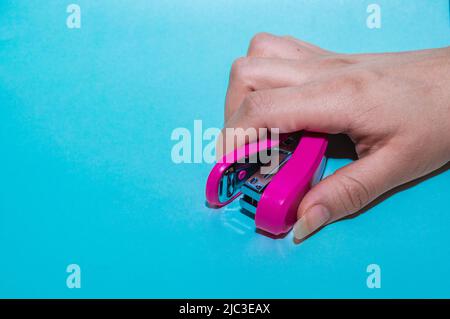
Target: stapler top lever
(272, 189)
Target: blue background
(86, 175)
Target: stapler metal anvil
(296, 163)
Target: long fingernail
(313, 219)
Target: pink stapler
(273, 196)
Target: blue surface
(86, 175)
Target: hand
(394, 106)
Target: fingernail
(313, 219)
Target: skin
(394, 106)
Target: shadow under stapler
(341, 146)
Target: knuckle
(260, 43)
(353, 194)
(256, 103)
(239, 69)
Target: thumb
(347, 191)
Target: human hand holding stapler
(395, 107)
